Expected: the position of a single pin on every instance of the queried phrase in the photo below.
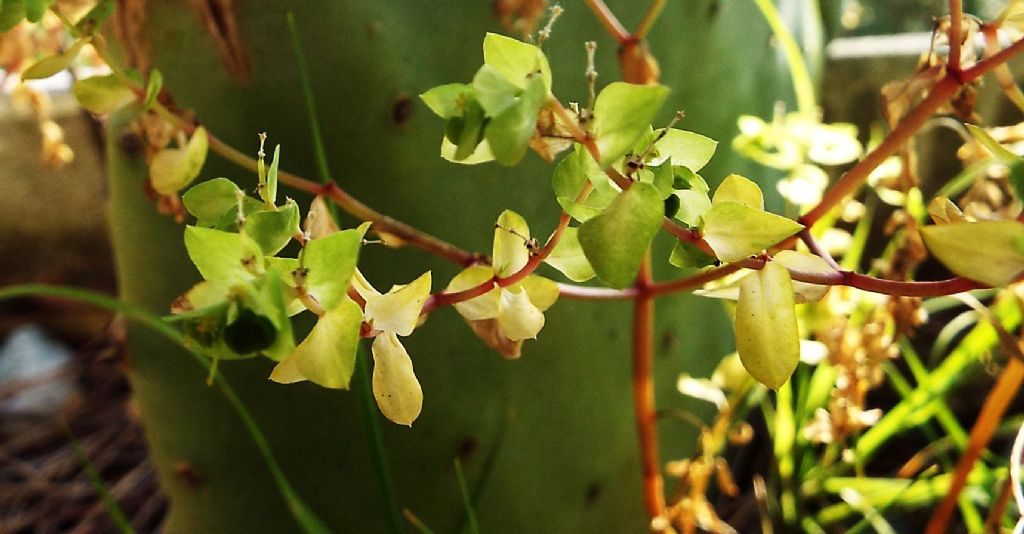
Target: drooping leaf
(687, 256)
(331, 262)
(516, 60)
(766, 328)
(509, 253)
(742, 191)
(518, 318)
(987, 251)
(509, 133)
(687, 149)
(615, 241)
(399, 310)
(493, 90)
(395, 386)
(223, 257)
(327, 355)
(447, 101)
(102, 94)
(273, 229)
(479, 308)
(175, 168)
(153, 87)
(622, 113)
(735, 232)
(568, 257)
(48, 66)
(208, 201)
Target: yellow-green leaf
(509, 253)
(568, 257)
(399, 310)
(986, 251)
(543, 293)
(516, 60)
(395, 387)
(174, 168)
(479, 308)
(327, 355)
(48, 66)
(809, 263)
(622, 113)
(518, 318)
(331, 261)
(742, 191)
(735, 231)
(943, 211)
(687, 149)
(224, 258)
(766, 328)
(102, 94)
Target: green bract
(767, 339)
(224, 258)
(153, 87)
(987, 251)
(616, 240)
(208, 201)
(273, 229)
(622, 113)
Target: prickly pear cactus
(548, 441)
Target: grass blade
(474, 528)
(114, 509)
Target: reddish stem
(643, 391)
(956, 18)
(609, 21)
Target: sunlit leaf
(615, 241)
(687, 149)
(742, 191)
(174, 168)
(518, 318)
(223, 257)
(395, 387)
(399, 310)
(48, 66)
(102, 94)
(766, 328)
(987, 251)
(516, 60)
(327, 355)
(509, 253)
(735, 232)
(943, 211)
(568, 257)
(622, 113)
(331, 261)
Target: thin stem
(323, 170)
(609, 21)
(956, 20)
(650, 16)
(643, 391)
(802, 84)
(575, 292)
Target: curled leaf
(102, 94)
(943, 211)
(802, 261)
(518, 318)
(510, 253)
(175, 168)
